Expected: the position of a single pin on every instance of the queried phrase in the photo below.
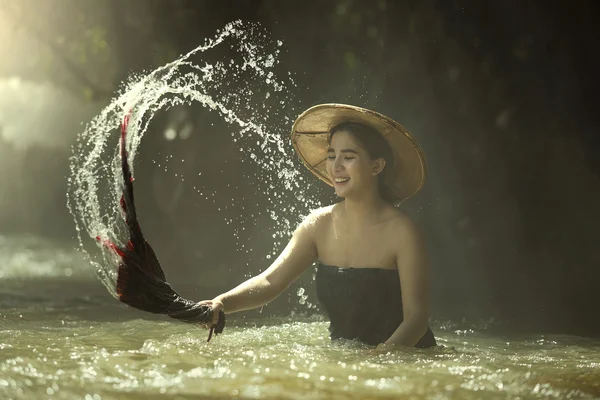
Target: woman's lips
(341, 183)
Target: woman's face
(349, 166)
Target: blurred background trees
(502, 96)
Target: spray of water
(94, 184)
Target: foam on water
(47, 354)
(23, 257)
(94, 184)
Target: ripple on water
(141, 358)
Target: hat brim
(311, 130)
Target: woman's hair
(376, 146)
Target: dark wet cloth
(141, 282)
(363, 303)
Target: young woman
(372, 272)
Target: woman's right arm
(297, 256)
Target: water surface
(65, 338)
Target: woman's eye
(345, 158)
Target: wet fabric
(141, 282)
(364, 304)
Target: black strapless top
(363, 303)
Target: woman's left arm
(413, 268)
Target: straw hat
(312, 127)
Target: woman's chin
(341, 193)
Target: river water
(62, 336)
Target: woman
(372, 272)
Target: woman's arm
(297, 256)
(413, 268)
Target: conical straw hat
(311, 130)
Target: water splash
(94, 185)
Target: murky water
(63, 336)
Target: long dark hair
(376, 147)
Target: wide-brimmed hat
(311, 130)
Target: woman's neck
(364, 210)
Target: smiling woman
(363, 142)
(372, 271)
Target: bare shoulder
(318, 218)
(404, 228)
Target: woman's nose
(337, 164)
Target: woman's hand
(217, 306)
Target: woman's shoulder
(317, 219)
(398, 222)
(402, 225)
(320, 215)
